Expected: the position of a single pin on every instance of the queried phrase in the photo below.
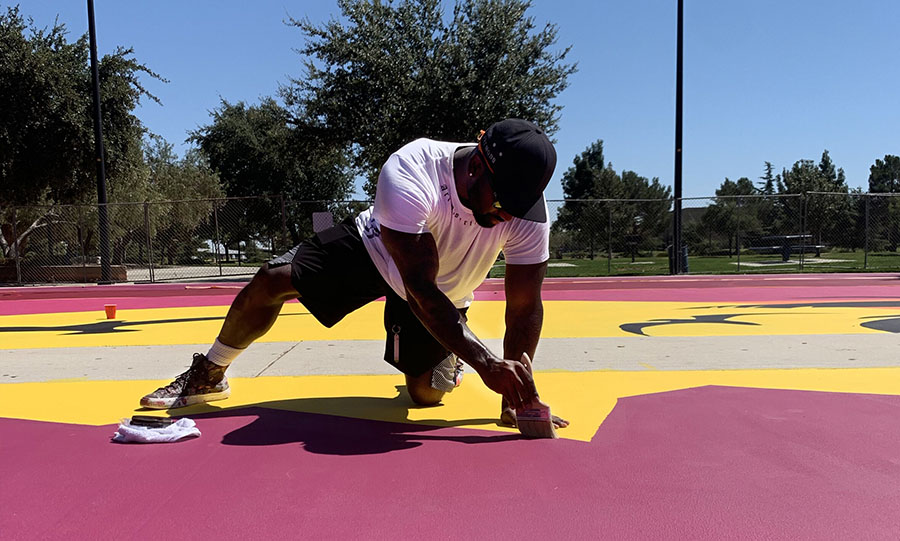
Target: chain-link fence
(158, 241)
(221, 238)
(812, 232)
(596, 237)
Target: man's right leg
(256, 307)
(251, 315)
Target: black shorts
(334, 275)
(409, 345)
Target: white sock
(221, 354)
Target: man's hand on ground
(508, 417)
(512, 380)
(508, 412)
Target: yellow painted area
(562, 319)
(584, 398)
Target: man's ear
(475, 164)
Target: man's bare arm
(524, 309)
(416, 258)
(524, 320)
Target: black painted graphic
(884, 323)
(891, 324)
(638, 328)
(112, 326)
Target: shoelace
(182, 379)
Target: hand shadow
(337, 426)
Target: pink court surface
(701, 408)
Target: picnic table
(788, 244)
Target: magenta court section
(721, 289)
(43, 300)
(702, 463)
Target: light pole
(679, 81)
(105, 268)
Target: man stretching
(443, 212)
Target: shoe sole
(184, 401)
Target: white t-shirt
(416, 193)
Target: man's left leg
(428, 388)
(421, 392)
(430, 369)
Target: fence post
(803, 209)
(16, 244)
(81, 247)
(216, 220)
(609, 241)
(285, 246)
(49, 231)
(149, 240)
(866, 241)
(737, 240)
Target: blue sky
(765, 80)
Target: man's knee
(421, 392)
(273, 283)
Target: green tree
(884, 212)
(600, 204)
(46, 123)
(807, 176)
(828, 217)
(263, 150)
(395, 71)
(768, 180)
(766, 208)
(587, 220)
(735, 214)
(647, 208)
(180, 194)
(884, 175)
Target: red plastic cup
(110, 311)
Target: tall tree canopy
(768, 180)
(827, 217)
(807, 176)
(644, 217)
(46, 123)
(390, 72)
(734, 213)
(258, 150)
(884, 211)
(884, 175)
(47, 144)
(263, 150)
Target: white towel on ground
(182, 428)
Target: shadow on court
(339, 425)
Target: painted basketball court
(701, 407)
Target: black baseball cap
(521, 159)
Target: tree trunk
(18, 245)
(5, 231)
